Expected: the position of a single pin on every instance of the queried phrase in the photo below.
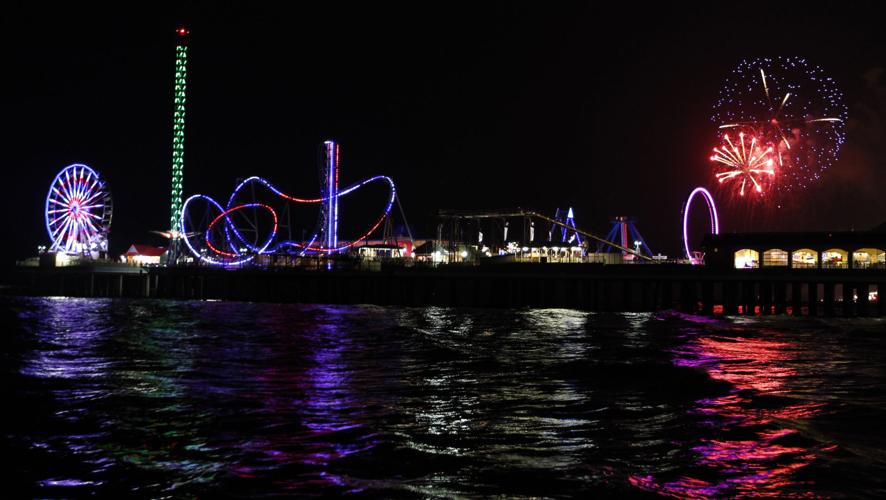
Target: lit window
(747, 259)
(867, 258)
(775, 257)
(804, 258)
(835, 258)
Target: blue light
(77, 211)
(269, 246)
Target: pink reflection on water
(324, 418)
(745, 363)
(755, 448)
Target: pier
(590, 287)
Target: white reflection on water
(204, 399)
(508, 417)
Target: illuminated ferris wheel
(78, 212)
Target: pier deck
(693, 289)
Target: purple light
(752, 456)
(331, 194)
(344, 192)
(712, 210)
(184, 229)
(69, 210)
(225, 215)
(269, 246)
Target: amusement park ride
(233, 234)
(624, 231)
(178, 141)
(696, 257)
(254, 225)
(563, 242)
(568, 219)
(78, 213)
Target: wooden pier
(592, 287)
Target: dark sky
(466, 105)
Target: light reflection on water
(754, 455)
(186, 398)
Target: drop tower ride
(178, 139)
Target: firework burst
(750, 163)
(791, 109)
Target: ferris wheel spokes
(78, 211)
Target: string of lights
(178, 126)
(239, 250)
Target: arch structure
(869, 258)
(747, 258)
(835, 258)
(696, 257)
(775, 257)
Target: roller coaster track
(455, 214)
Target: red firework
(750, 163)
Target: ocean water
(147, 398)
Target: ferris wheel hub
(78, 212)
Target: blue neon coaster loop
(268, 245)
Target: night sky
(469, 106)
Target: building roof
(823, 239)
(145, 250)
(426, 248)
(380, 246)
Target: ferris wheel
(78, 212)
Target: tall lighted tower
(329, 190)
(178, 130)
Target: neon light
(234, 209)
(70, 210)
(269, 246)
(335, 227)
(623, 233)
(178, 130)
(331, 190)
(568, 221)
(204, 258)
(712, 211)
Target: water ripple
(154, 398)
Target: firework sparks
(792, 110)
(749, 163)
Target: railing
(868, 265)
(804, 265)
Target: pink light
(234, 209)
(240, 258)
(712, 210)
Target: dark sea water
(145, 398)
